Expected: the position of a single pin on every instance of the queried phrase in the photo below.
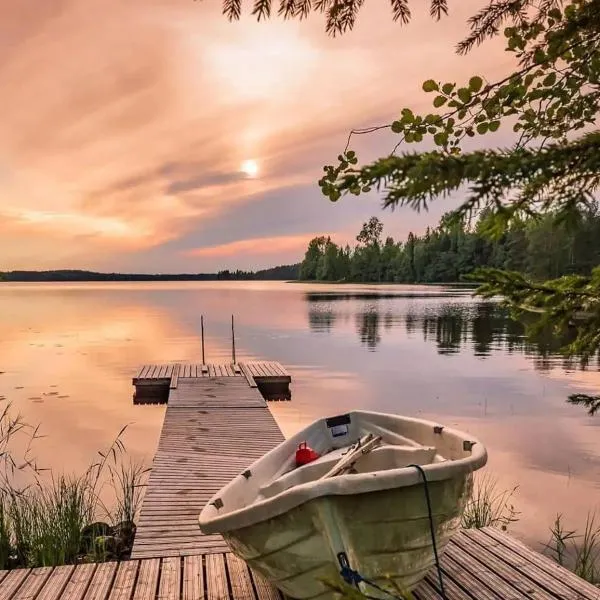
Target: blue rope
(353, 577)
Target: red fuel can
(305, 455)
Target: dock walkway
(216, 423)
(483, 564)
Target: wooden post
(232, 340)
(202, 334)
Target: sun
(250, 167)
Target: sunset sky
(155, 136)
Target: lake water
(68, 352)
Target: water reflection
(453, 322)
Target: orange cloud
(256, 246)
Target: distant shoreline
(279, 273)
(464, 284)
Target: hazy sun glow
(250, 167)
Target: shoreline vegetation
(54, 519)
(67, 275)
(542, 247)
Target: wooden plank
(170, 579)
(12, 582)
(204, 369)
(122, 588)
(33, 584)
(193, 578)
(239, 576)
(211, 370)
(216, 578)
(174, 378)
(101, 581)
(545, 567)
(500, 575)
(79, 582)
(264, 590)
(147, 581)
(248, 375)
(56, 583)
(236, 368)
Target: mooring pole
(202, 334)
(232, 340)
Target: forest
(543, 247)
(273, 273)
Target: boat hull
(385, 535)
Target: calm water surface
(68, 351)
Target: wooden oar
(365, 446)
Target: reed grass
(52, 520)
(579, 552)
(488, 506)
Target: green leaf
(475, 84)
(550, 79)
(441, 138)
(482, 128)
(439, 101)
(494, 125)
(350, 154)
(539, 56)
(409, 138)
(464, 94)
(397, 127)
(447, 88)
(430, 86)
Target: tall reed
(51, 520)
(488, 506)
(578, 552)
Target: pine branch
(287, 9)
(232, 9)
(438, 9)
(401, 11)
(486, 23)
(262, 9)
(592, 403)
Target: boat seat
(383, 458)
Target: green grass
(489, 506)
(53, 519)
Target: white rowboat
(366, 504)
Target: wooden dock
(483, 564)
(217, 422)
(154, 383)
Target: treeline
(274, 273)
(542, 248)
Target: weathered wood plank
(216, 578)
(101, 581)
(12, 582)
(554, 577)
(33, 584)
(193, 578)
(484, 565)
(56, 583)
(147, 581)
(170, 579)
(174, 378)
(122, 588)
(239, 576)
(264, 590)
(79, 582)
